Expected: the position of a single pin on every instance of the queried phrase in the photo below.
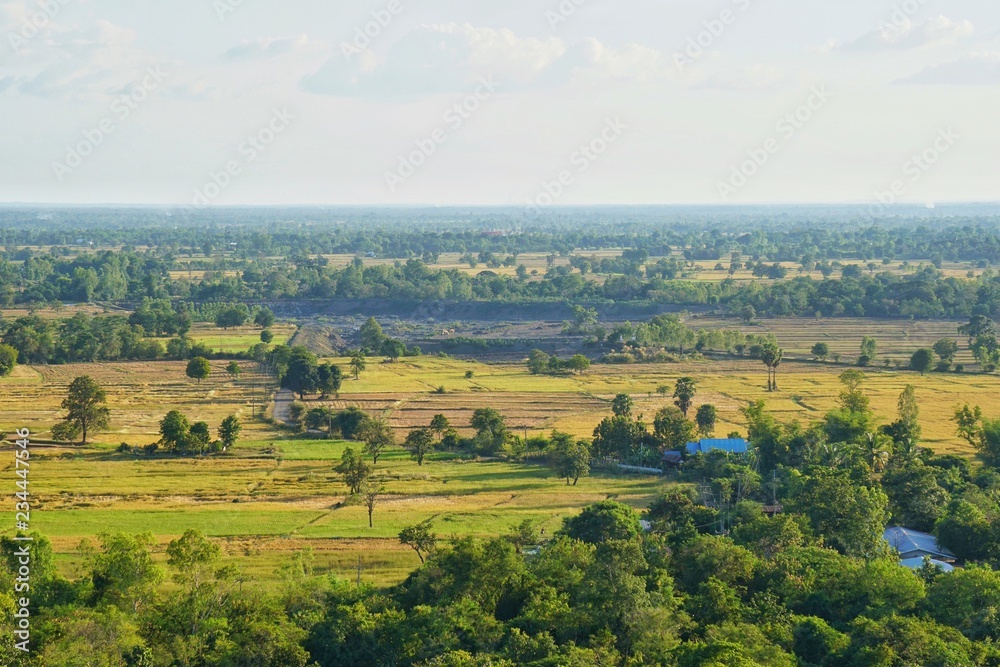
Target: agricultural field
(897, 339)
(406, 393)
(237, 339)
(277, 493)
(139, 395)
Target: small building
(728, 445)
(672, 459)
(912, 544)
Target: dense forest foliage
(28, 276)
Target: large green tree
(86, 406)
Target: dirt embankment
(463, 310)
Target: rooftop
(731, 445)
(905, 541)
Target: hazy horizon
(442, 103)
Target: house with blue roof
(912, 544)
(728, 445)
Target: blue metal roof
(907, 541)
(730, 445)
(918, 563)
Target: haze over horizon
(261, 105)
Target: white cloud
(975, 69)
(81, 62)
(267, 47)
(449, 58)
(908, 35)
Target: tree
(748, 313)
(906, 428)
(370, 493)
(850, 516)
(869, 351)
(978, 326)
(174, 431)
(491, 430)
(946, 348)
(199, 437)
(8, 359)
(672, 429)
(233, 370)
(198, 369)
(603, 522)
(233, 316)
(538, 362)
(821, 351)
(965, 530)
(578, 363)
(922, 360)
(981, 433)
(123, 572)
(302, 375)
(355, 470)
(619, 437)
(771, 355)
(371, 335)
(569, 458)
(706, 418)
(916, 500)
(266, 337)
(684, 393)
(377, 436)
(229, 431)
(440, 425)
(264, 318)
(329, 380)
(358, 364)
(852, 379)
(393, 349)
(419, 538)
(877, 450)
(86, 408)
(420, 442)
(621, 406)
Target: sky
(524, 103)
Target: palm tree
(771, 355)
(876, 451)
(684, 392)
(906, 451)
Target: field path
(282, 412)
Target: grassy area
(275, 494)
(237, 339)
(404, 392)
